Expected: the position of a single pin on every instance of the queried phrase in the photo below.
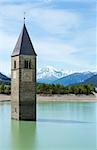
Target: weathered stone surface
(23, 84)
(23, 89)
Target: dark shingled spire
(24, 45)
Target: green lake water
(59, 126)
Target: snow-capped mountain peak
(50, 73)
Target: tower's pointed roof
(24, 45)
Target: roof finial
(24, 17)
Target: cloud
(48, 1)
(76, 0)
(6, 42)
(56, 21)
(6, 46)
(5, 67)
(53, 52)
(60, 36)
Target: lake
(59, 126)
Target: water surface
(59, 126)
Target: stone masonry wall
(24, 89)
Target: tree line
(5, 89)
(50, 89)
(61, 89)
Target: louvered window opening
(27, 64)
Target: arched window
(27, 64)
(15, 64)
(15, 110)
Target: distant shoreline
(67, 98)
(5, 98)
(57, 98)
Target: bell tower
(23, 83)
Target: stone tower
(23, 84)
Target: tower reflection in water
(23, 135)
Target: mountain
(44, 75)
(52, 75)
(74, 78)
(49, 74)
(92, 80)
(4, 78)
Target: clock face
(14, 74)
(26, 75)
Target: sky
(63, 32)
